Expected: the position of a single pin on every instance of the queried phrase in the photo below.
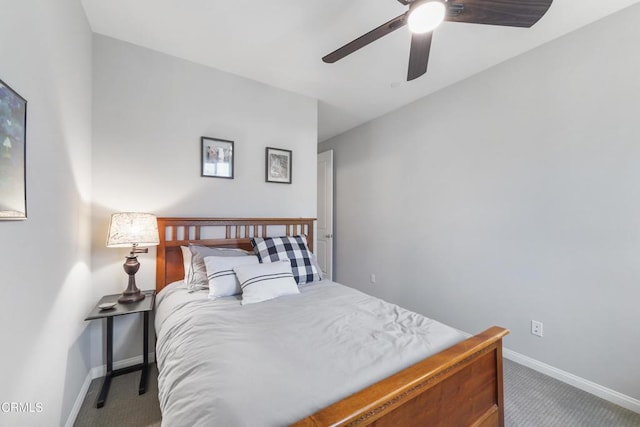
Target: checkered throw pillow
(293, 248)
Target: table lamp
(132, 229)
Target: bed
(458, 384)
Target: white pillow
(186, 261)
(262, 282)
(222, 280)
(197, 278)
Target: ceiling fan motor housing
(453, 9)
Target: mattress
(275, 362)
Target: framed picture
(278, 167)
(13, 144)
(217, 157)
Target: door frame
(324, 235)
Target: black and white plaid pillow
(293, 248)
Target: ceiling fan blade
(511, 13)
(364, 40)
(419, 55)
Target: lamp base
(132, 293)
(129, 298)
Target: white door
(325, 213)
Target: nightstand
(144, 307)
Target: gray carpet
(531, 400)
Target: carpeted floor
(531, 400)
(123, 408)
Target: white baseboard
(100, 371)
(78, 403)
(97, 372)
(585, 385)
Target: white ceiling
(281, 43)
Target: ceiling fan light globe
(426, 17)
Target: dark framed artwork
(217, 157)
(13, 153)
(278, 165)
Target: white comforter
(275, 362)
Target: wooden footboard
(460, 386)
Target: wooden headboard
(217, 232)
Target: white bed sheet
(273, 363)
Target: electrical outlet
(372, 278)
(536, 328)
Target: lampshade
(132, 228)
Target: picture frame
(13, 154)
(217, 158)
(278, 164)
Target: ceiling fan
(424, 16)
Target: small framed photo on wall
(217, 157)
(13, 143)
(278, 165)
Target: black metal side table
(144, 306)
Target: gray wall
(150, 111)
(511, 196)
(45, 283)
